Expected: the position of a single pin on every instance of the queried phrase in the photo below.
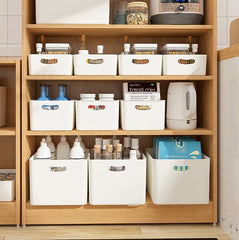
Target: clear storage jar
(137, 13)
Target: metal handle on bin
(50, 107)
(142, 107)
(95, 61)
(58, 169)
(181, 168)
(186, 61)
(140, 61)
(117, 169)
(49, 61)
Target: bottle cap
(84, 52)
(135, 143)
(100, 49)
(109, 148)
(39, 47)
(119, 147)
(86, 96)
(97, 148)
(127, 142)
(115, 142)
(106, 96)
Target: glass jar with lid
(137, 13)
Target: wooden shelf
(120, 78)
(8, 213)
(7, 131)
(120, 132)
(99, 30)
(7, 62)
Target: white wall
(228, 10)
(10, 28)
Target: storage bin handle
(49, 61)
(181, 168)
(95, 61)
(117, 169)
(186, 61)
(143, 107)
(140, 61)
(50, 107)
(58, 169)
(96, 107)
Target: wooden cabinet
(10, 145)
(112, 37)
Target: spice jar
(137, 13)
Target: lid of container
(58, 45)
(145, 45)
(137, 5)
(85, 52)
(175, 47)
(106, 95)
(87, 95)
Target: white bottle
(51, 146)
(39, 48)
(77, 152)
(43, 152)
(133, 155)
(106, 97)
(100, 49)
(82, 144)
(63, 149)
(135, 146)
(126, 49)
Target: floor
(112, 232)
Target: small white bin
(52, 115)
(140, 64)
(50, 64)
(97, 115)
(143, 115)
(127, 186)
(58, 182)
(72, 11)
(97, 64)
(168, 183)
(184, 64)
(7, 187)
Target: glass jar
(137, 13)
(120, 12)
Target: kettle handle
(191, 101)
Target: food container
(95, 64)
(58, 48)
(117, 182)
(72, 11)
(137, 13)
(140, 64)
(172, 181)
(50, 64)
(145, 49)
(58, 182)
(52, 115)
(143, 115)
(7, 185)
(175, 49)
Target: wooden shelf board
(7, 62)
(8, 213)
(147, 213)
(7, 131)
(196, 132)
(120, 78)
(117, 30)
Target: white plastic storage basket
(90, 64)
(143, 115)
(73, 11)
(184, 64)
(58, 182)
(178, 181)
(7, 187)
(97, 115)
(124, 187)
(140, 64)
(50, 64)
(52, 115)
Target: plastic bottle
(119, 151)
(77, 152)
(62, 91)
(63, 149)
(135, 146)
(43, 152)
(127, 144)
(51, 146)
(104, 144)
(133, 155)
(43, 96)
(97, 150)
(98, 141)
(39, 48)
(100, 49)
(115, 142)
(126, 48)
(109, 149)
(194, 48)
(82, 144)
(48, 91)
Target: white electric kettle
(182, 106)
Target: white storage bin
(184, 64)
(90, 64)
(143, 115)
(50, 64)
(168, 184)
(140, 64)
(98, 115)
(125, 187)
(7, 188)
(73, 11)
(58, 182)
(52, 115)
